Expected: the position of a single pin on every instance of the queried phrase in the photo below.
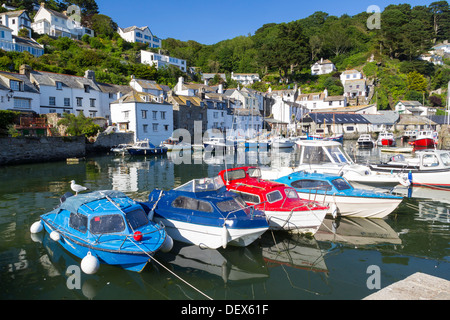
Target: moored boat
(334, 189)
(386, 139)
(174, 144)
(281, 143)
(145, 148)
(104, 227)
(204, 213)
(281, 204)
(425, 139)
(427, 168)
(365, 141)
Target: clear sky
(211, 21)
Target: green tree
(79, 125)
(416, 82)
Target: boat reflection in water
(232, 264)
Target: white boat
(329, 157)
(174, 144)
(282, 143)
(429, 168)
(365, 141)
(120, 149)
(213, 143)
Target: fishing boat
(409, 135)
(329, 157)
(281, 204)
(204, 213)
(365, 141)
(427, 168)
(320, 135)
(386, 139)
(174, 144)
(145, 148)
(334, 189)
(120, 149)
(425, 139)
(104, 227)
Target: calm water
(332, 265)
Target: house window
(58, 85)
(154, 114)
(145, 128)
(22, 103)
(51, 101)
(126, 114)
(16, 85)
(92, 103)
(163, 115)
(79, 102)
(92, 114)
(166, 127)
(66, 102)
(144, 114)
(86, 88)
(155, 127)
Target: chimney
(220, 90)
(90, 74)
(25, 70)
(42, 4)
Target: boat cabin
(319, 152)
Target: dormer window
(16, 85)
(86, 88)
(58, 85)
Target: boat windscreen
(234, 174)
(445, 157)
(341, 184)
(254, 173)
(201, 185)
(137, 218)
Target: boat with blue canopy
(204, 213)
(335, 189)
(104, 227)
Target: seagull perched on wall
(76, 187)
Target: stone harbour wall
(42, 149)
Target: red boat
(386, 139)
(281, 204)
(425, 139)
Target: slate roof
(44, 78)
(337, 118)
(387, 117)
(5, 77)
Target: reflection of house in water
(142, 173)
(434, 211)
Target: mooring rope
(153, 258)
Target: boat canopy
(319, 152)
(72, 204)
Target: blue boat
(340, 195)
(104, 227)
(204, 213)
(141, 148)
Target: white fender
(224, 236)
(55, 236)
(167, 245)
(90, 264)
(36, 227)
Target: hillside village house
(57, 24)
(149, 86)
(144, 114)
(322, 67)
(17, 93)
(335, 123)
(320, 100)
(161, 60)
(10, 42)
(16, 21)
(413, 107)
(140, 35)
(354, 84)
(245, 78)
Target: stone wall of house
(34, 149)
(444, 137)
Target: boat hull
(135, 260)
(305, 221)
(425, 142)
(365, 144)
(212, 237)
(360, 207)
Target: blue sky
(211, 21)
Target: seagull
(76, 187)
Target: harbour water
(346, 259)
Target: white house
(351, 74)
(413, 107)
(161, 60)
(149, 86)
(10, 42)
(245, 78)
(145, 115)
(141, 35)
(16, 21)
(17, 93)
(57, 24)
(61, 93)
(320, 100)
(322, 67)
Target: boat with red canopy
(281, 204)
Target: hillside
(281, 53)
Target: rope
(153, 258)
